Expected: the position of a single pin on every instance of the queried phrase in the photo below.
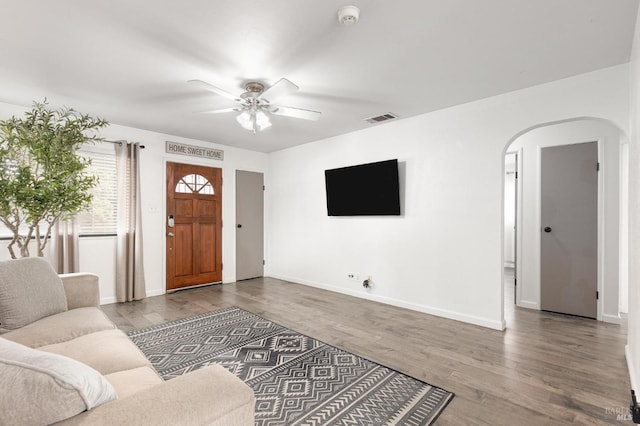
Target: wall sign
(194, 151)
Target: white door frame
(518, 247)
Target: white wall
(444, 255)
(578, 131)
(97, 254)
(153, 182)
(633, 347)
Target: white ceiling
(128, 61)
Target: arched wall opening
(612, 207)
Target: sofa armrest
(208, 396)
(82, 289)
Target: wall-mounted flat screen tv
(364, 190)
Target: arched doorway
(526, 147)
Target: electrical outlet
(356, 277)
(360, 278)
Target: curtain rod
(117, 142)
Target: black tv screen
(364, 190)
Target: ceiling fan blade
(282, 87)
(214, 89)
(219, 111)
(305, 114)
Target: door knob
(170, 234)
(547, 229)
(239, 226)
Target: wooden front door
(193, 225)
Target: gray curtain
(130, 284)
(64, 246)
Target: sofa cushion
(107, 351)
(208, 396)
(129, 382)
(30, 289)
(61, 327)
(43, 388)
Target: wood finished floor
(545, 369)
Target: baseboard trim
(444, 313)
(528, 304)
(107, 300)
(631, 368)
(611, 319)
(156, 292)
(113, 299)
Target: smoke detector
(348, 15)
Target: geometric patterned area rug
(297, 380)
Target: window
(101, 217)
(194, 183)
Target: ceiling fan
(256, 103)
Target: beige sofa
(82, 332)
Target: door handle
(547, 229)
(170, 234)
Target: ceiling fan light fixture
(262, 120)
(253, 120)
(256, 104)
(245, 120)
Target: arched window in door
(194, 183)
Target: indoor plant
(43, 179)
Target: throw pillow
(44, 388)
(30, 289)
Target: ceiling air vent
(380, 118)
